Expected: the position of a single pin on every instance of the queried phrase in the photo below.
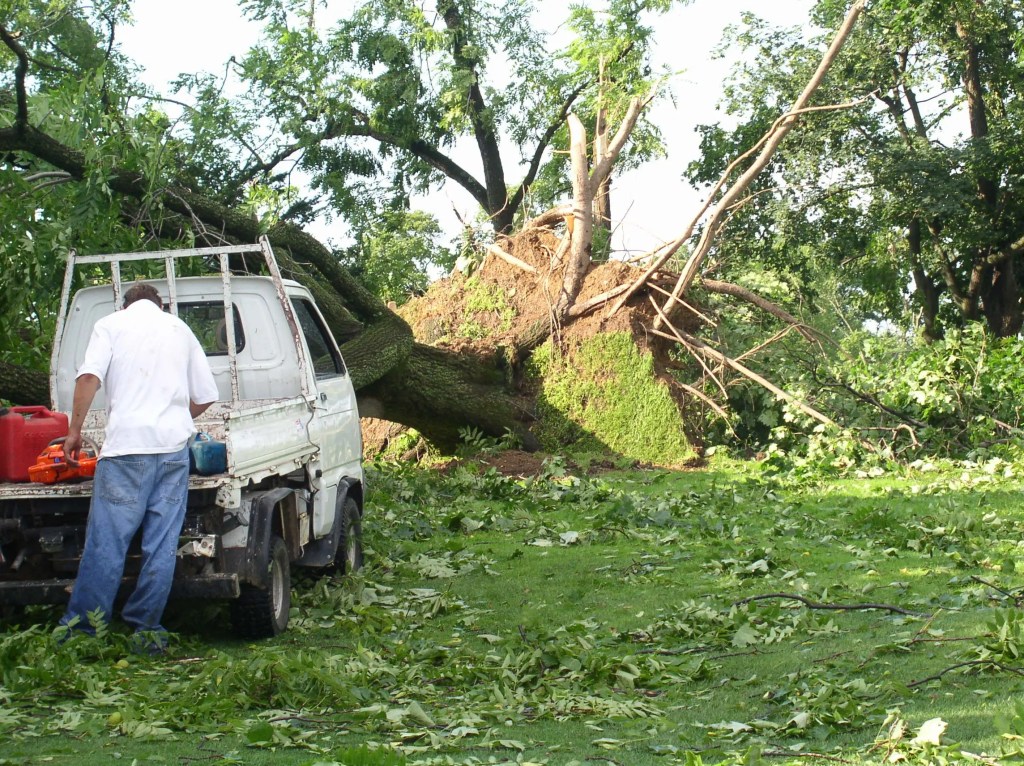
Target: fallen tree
(440, 384)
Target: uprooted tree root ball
(594, 384)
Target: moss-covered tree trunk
(21, 385)
(439, 393)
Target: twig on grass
(835, 607)
(751, 653)
(1017, 599)
(794, 754)
(302, 718)
(971, 663)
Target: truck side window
(206, 320)
(326, 359)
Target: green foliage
(566, 618)
(896, 397)
(415, 82)
(81, 94)
(475, 442)
(398, 254)
(604, 396)
(966, 390)
(1006, 638)
(898, 203)
(1010, 724)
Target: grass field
(720, 616)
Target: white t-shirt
(150, 365)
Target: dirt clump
(500, 303)
(514, 463)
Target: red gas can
(24, 433)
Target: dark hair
(141, 291)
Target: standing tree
(386, 101)
(918, 190)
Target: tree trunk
(440, 394)
(1001, 300)
(502, 214)
(926, 286)
(602, 194)
(997, 285)
(583, 220)
(21, 385)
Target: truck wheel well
(355, 491)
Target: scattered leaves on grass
(624, 606)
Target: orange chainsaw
(51, 466)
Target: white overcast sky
(651, 204)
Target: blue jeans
(129, 492)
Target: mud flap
(261, 526)
(321, 553)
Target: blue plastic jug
(207, 456)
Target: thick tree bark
(430, 390)
(21, 385)
(925, 286)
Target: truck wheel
(263, 612)
(349, 557)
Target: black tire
(262, 612)
(349, 556)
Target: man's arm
(195, 410)
(201, 384)
(86, 387)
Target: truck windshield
(206, 320)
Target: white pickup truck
(292, 493)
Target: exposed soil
(515, 463)
(437, 317)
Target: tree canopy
(912, 189)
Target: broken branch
(510, 259)
(728, 288)
(780, 131)
(770, 142)
(835, 607)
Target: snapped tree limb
(769, 143)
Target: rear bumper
(57, 591)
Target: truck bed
(264, 437)
(30, 490)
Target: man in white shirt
(156, 379)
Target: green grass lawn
(636, 617)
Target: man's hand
(73, 448)
(86, 386)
